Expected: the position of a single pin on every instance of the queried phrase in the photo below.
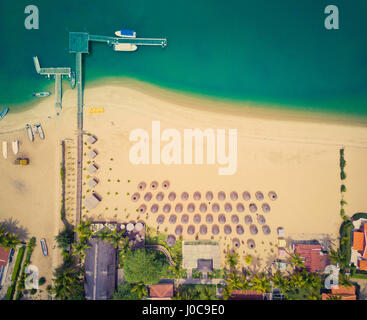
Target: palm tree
(232, 259)
(336, 257)
(344, 280)
(104, 234)
(80, 248)
(84, 230)
(296, 280)
(115, 238)
(279, 281)
(207, 294)
(140, 289)
(11, 240)
(261, 283)
(296, 260)
(248, 259)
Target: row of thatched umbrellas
(203, 207)
(209, 196)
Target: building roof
(358, 240)
(4, 256)
(346, 293)
(92, 201)
(100, 270)
(92, 168)
(91, 154)
(161, 290)
(246, 295)
(315, 260)
(92, 183)
(91, 139)
(362, 264)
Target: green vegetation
(146, 266)
(64, 239)
(196, 243)
(7, 239)
(345, 243)
(41, 281)
(27, 260)
(195, 292)
(196, 274)
(15, 274)
(359, 215)
(124, 292)
(217, 274)
(342, 164)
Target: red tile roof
(365, 237)
(362, 264)
(4, 256)
(246, 295)
(346, 293)
(314, 260)
(358, 240)
(161, 291)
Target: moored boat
(5, 149)
(29, 131)
(39, 131)
(125, 47)
(4, 113)
(72, 80)
(125, 33)
(44, 246)
(41, 94)
(15, 146)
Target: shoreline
(250, 109)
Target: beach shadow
(12, 226)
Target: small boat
(4, 113)
(126, 33)
(5, 149)
(72, 80)
(41, 94)
(29, 131)
(39, 131)
(125, 47)
(15, 146)
(44, 247)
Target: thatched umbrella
(253, 207)
(265, 207)
(197, 195)
(228, 207)
(185, 218)
(171, 240)
(235, 219)
(184, 196)
(135, 197)
(248, 219)
(215, 229)
(165, 184)
(209, 196)
(154, 208)
(266, 229)
(197, 218)
(209, 218)
(178, 230)
(142, 208)
(236, 243)
(190, 229)
(160, 219)
(272, 195)
(203, 229)
(178, 208)
(253, 229)
(160, 196)
(227, 229)
(215, 207)
(239, 229)
(246, 196)
(234, 195)
(259, 195)
(190, 207)
(167, 208)
(251, 244)
(260, 219)
(141, 186)
(221, 195)
(172, 196)
(203, 208)
(154, 185)
(222, 218)
(172, 218)
(148, 196)
(240, 207)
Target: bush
(359, 215)
(15, 274)
(124, 292)
(343, 188)
(345, 247)
(41, 281)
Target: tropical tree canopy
(125, 292)
(146, 266)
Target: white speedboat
(5, 149)
(125, 47)
(126, 33)
(41, 94)
(15, 146)
(39, 131)
(29, 131)
(44, 247)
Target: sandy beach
(294, 156)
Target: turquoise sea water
(272, 51)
